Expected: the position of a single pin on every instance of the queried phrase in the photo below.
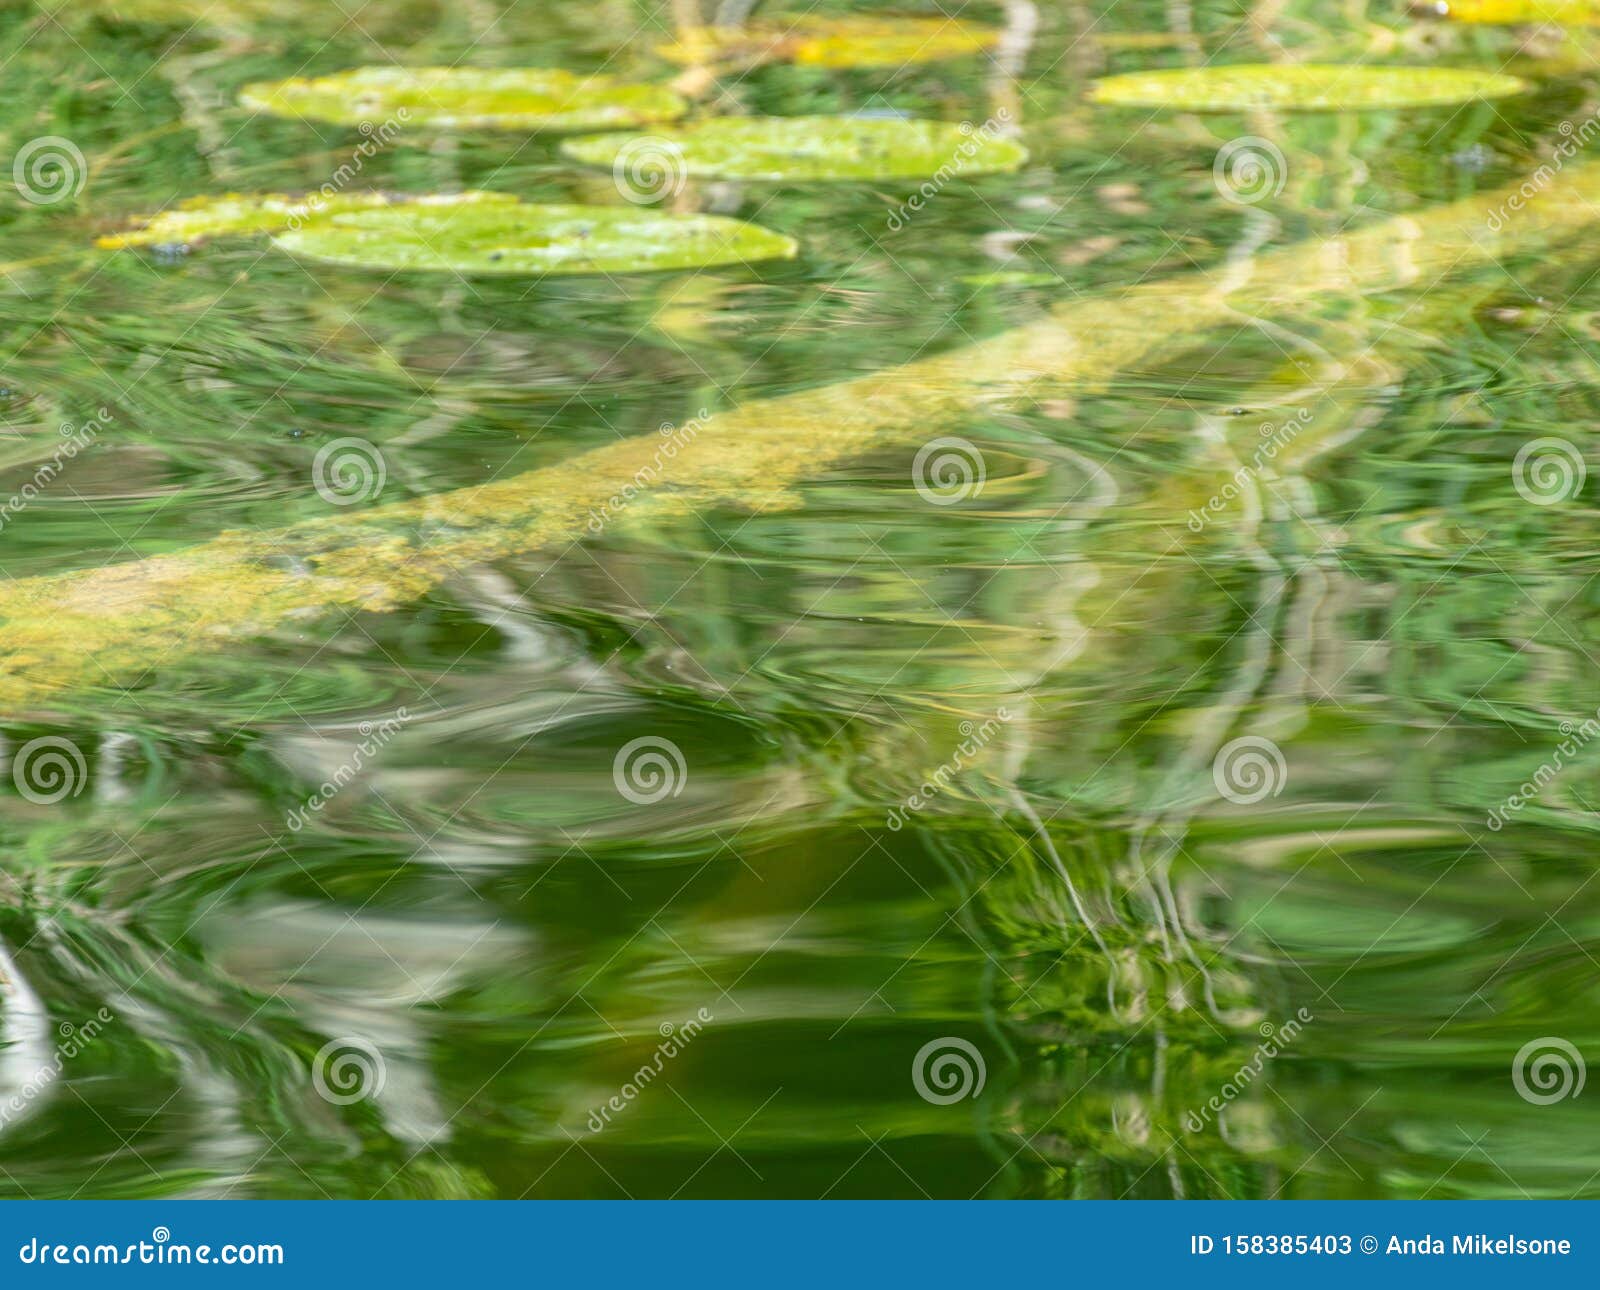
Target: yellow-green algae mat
(472, 232)
(519, 98)
(811, 147)
(1304, 87)
(841, 42)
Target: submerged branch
(116, 622)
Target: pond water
(1021, 739)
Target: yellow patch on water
(841, 42)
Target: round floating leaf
(1565, 13)
(512, 238)
(1306, 87)
(523, 98)
(812, 147)
(833, 42)
(200, 218)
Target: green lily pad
(1305, 87)
(512, 238)
(812, 147)
(832, 42)
(521, 98)
(199, 218)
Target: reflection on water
(1026, 739)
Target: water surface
(1103, 957)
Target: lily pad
(812, 147)
(1305, 87)
(833, 42)
(200, 218)
(1565, 13)
(522, 98)
(512, 238)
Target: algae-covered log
(115, 622)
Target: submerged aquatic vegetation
(518, 238)
(839, 40)
(242, 584)
(1301, 87)
(524, 98)
(814, 147)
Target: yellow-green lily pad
(513, 238)
(520, 98)
(1304, 87)
(1565, 13)
(200, 218)
(844, 41)
(811, 147)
